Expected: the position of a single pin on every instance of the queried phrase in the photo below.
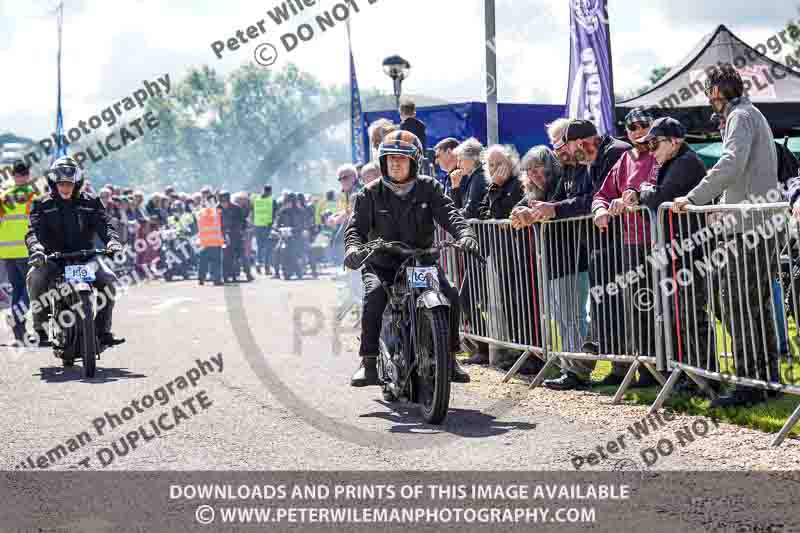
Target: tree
(253, 126)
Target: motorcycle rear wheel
(433, 368)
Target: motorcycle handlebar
(78, 254)
(407, 251)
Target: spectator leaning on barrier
(513, 272)
(568, 278)
(788, 166)
(748, 168)
(627, 248)
(469, 181)
(567, 289)
(680, 170)
(504, 190)
(15, 210)
(580, 145)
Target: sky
(110, 47)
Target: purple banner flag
(358, 131)
(590, 93)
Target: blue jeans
(17, 270)
(569, 298)
(210, 261)
(777, 297)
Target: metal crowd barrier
(729, 287)
(609, 268)
(713, 293)
(500, 299)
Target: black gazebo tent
(772, 86)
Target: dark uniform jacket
(584, 185)
(378, 212)
(292, 217)
(470, 192)
(68, 226)
(234, 219)
(500, 200)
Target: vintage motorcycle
(71, 309)
(290, 252)
(414, 363)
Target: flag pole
(61, 149)
(492, 129)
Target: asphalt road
(268, 408)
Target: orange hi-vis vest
(209, 224)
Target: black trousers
(375, 300)
(232, 256)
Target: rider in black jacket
(401, 206)
(67, 221)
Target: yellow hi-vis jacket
(262, 211)
(15, 210)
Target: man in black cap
(680, 170)
(598, 154)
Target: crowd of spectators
(584, 173)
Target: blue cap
(665, 127)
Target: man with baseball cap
(680, 170)
(598, 153)
(636, 165)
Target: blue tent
(520, 124)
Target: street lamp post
(396, 68)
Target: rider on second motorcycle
(67, 220)
(401, 206)
(292, 215)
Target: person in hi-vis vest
(15, 209)
(264, 210)
(209, 233)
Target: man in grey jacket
(748, 169)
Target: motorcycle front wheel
(433, 367)
(88, 336)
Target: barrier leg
(787, 427)
(540, 376)
(514, 369)
(665, 392)
(625, 382)
(656, 374)
(703, 384)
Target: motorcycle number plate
(421, 277)
(79, 273)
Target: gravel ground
(725, 447)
